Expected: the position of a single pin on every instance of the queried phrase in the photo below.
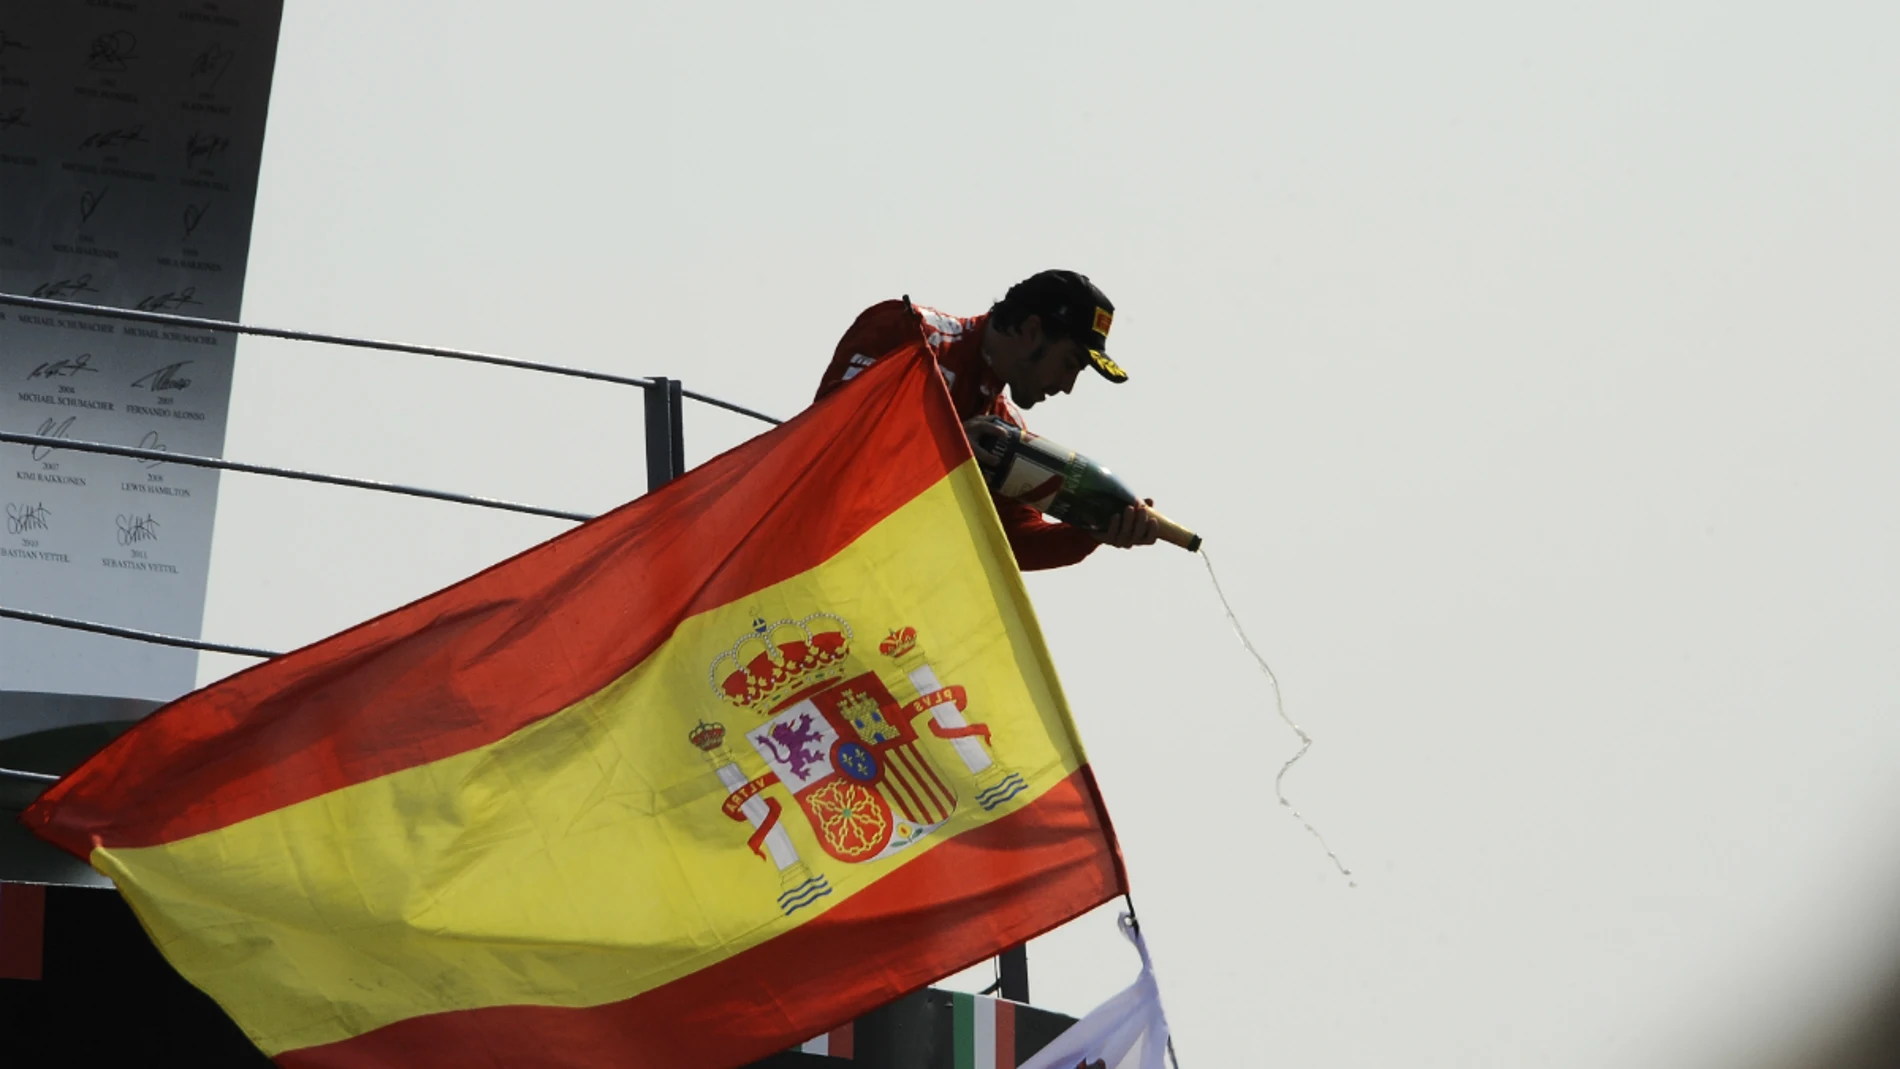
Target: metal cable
(134, 634)
(191, 460)
(730, 407)
(200, 323)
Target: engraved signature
(52, 429)
(150, 441)
(23, 517)
(89, 202)
(7, 41)
(64, 369)
(114, 138)
(11, 119)
(136, 529)
(204, 146)
(159, 302)
(164, 379)
(211, 65)
(195, 214)
(110, 51)
(64, 287)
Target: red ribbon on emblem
(735, 804)
(947, 696)
(757, 839)
(941, 696)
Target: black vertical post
(676, 409)
(666, 438)
(1014, 966)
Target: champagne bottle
(1056, 480)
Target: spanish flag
(716, 772)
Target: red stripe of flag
(735, 1011)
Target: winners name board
(130, 137)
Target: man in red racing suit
(1034, 342)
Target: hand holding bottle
(1136, 525)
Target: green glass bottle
(1056, 480)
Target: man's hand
(1133, 526)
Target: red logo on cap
(1103, 317)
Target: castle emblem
(835, 737)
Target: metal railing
(665, 441)
(166, 456)
(137, 315)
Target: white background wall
(1529, 368)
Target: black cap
(1069, 305)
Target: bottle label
(995, 444)
(1030, 481)
(1072, 476)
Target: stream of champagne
(1279, 703)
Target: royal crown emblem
(900, 642)
(774, 661)
(707, 737)
(852, 755)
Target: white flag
(1126, 1032)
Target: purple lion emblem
(791, 746)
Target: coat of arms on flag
(849, 751)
